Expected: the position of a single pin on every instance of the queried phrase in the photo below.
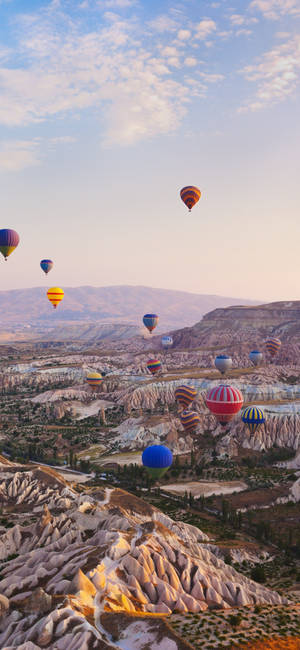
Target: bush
(258, 573)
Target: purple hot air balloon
(9, 240)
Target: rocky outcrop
(107, 551)
(137, 433)
(238, 324)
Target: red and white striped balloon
(224, 402)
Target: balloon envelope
(224, 402)
(189, 420)
(55, 295)
(190, 195)
(150, 321)
(253, 417)
(185, 395)
(256, 357)
(273, 345)
(157, 459)
(153, 365)
(167, 341)
(9, 240)
(94, 379)
(223, 363)
(46, 265)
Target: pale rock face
(116, 565)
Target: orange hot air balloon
(55, 295)
(190, 195)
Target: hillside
(117, 304)
(70, 562)
(237, 324)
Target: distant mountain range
(115, 304)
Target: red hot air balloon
(224, 402)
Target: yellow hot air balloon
(55, 295)
(94, 379)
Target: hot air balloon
(94, 379)
(150, 321)
(256, 357)
(273, 345)
(223, 363)
(157, 459)
(190, 195)
(185, 395)
(55, 295)
(9, 240)
(224, 402)
(46, 265)
(253, 417)
(189, 420)
(153, 365)
(167, 342)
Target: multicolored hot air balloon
(189, 420)
(9, 240)
(94, 379)
(273, 345)
(167, 342)
(223, 363)
(150, 321)
(157, 459)
(224, 402)
(256, 357)
(253, 417)
(46, 265)
(153, 365)
(190, 195)
(185, 395)
(55, 295)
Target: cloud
(190, 61)
(133, 79)
(116, 4)
(67, 71)
(237, 19)
(274, 9)
(16, 155)
(205, 28)
(276, 76)
(163, 23)
(184, 34)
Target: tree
(258, 573)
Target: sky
(109, 107)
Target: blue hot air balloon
(256, 357)
(46, 265)
(150, 321)
(253, 417)
(157, 459)
(167, 342)
(223, 363)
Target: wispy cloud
(275, 8)
(132, 85)
(276, 75)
